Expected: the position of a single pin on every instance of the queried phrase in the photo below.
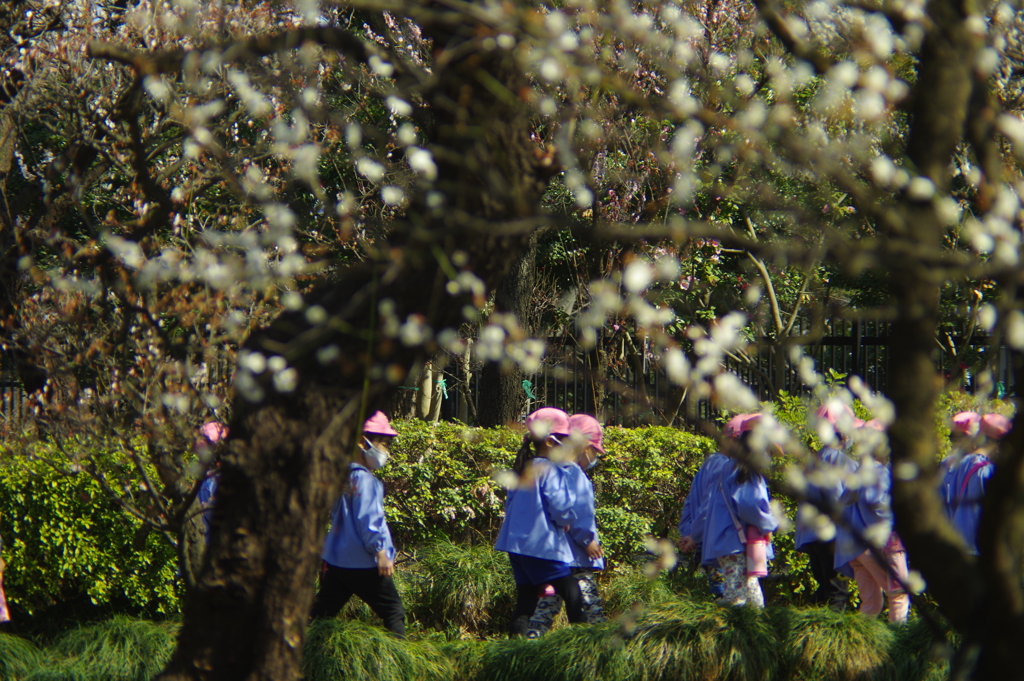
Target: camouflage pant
(549, 606)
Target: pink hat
(214, 431)
(995, 426)
(741, 423)
(588, 425)
(548, 421)
(967, 422)
(378, 425)
(835, 410)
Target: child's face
(586, 456)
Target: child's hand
(385, 566)
(686, 544)
(594, 550)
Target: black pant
(526, 603)
(337, 585)
(831, 587)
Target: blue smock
(828, 495)
(748, 502)
(963, 491)
(207, 493)
(537, 513)
(864, 507)
(695, 508)
(584, 529)
(358, 527)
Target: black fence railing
(633, 389)
(624, 385)
(12, 397)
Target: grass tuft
(18, 658)
(622, 589)
(462, 586)
(121, 649)
(821, 645)
(569, 654)
(918, 656)
(702, 642)
(338, 649)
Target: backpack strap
(735, 521)
(978, 465)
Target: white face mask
(375, 458)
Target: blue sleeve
(753, 506)
(834, 458)
(584, 529)
(686, 517)
(558, 495)
(207, 490)
(692, 500)
(984, 474)
(368, 511)
(876, 497)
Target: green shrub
(63, 536)
(440, 483)
(647, 472)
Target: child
(213, 432)
(964, 485)
(824, 490)
(739, 519)
(868, 506)
(964, 437)
(537, 512)
(358, 552)
(5, 614)
(587, 553)
(694, 516)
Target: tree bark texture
(981, 597)
(287, 454)
(502, 398)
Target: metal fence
(12, 397)
(631, 388)
(638, 392)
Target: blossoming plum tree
(332, 191)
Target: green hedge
(65, 539)
(439, 483)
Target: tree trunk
(192, 546)
(428, 397)
(287, 454)
(983, 598)
(502, 396)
